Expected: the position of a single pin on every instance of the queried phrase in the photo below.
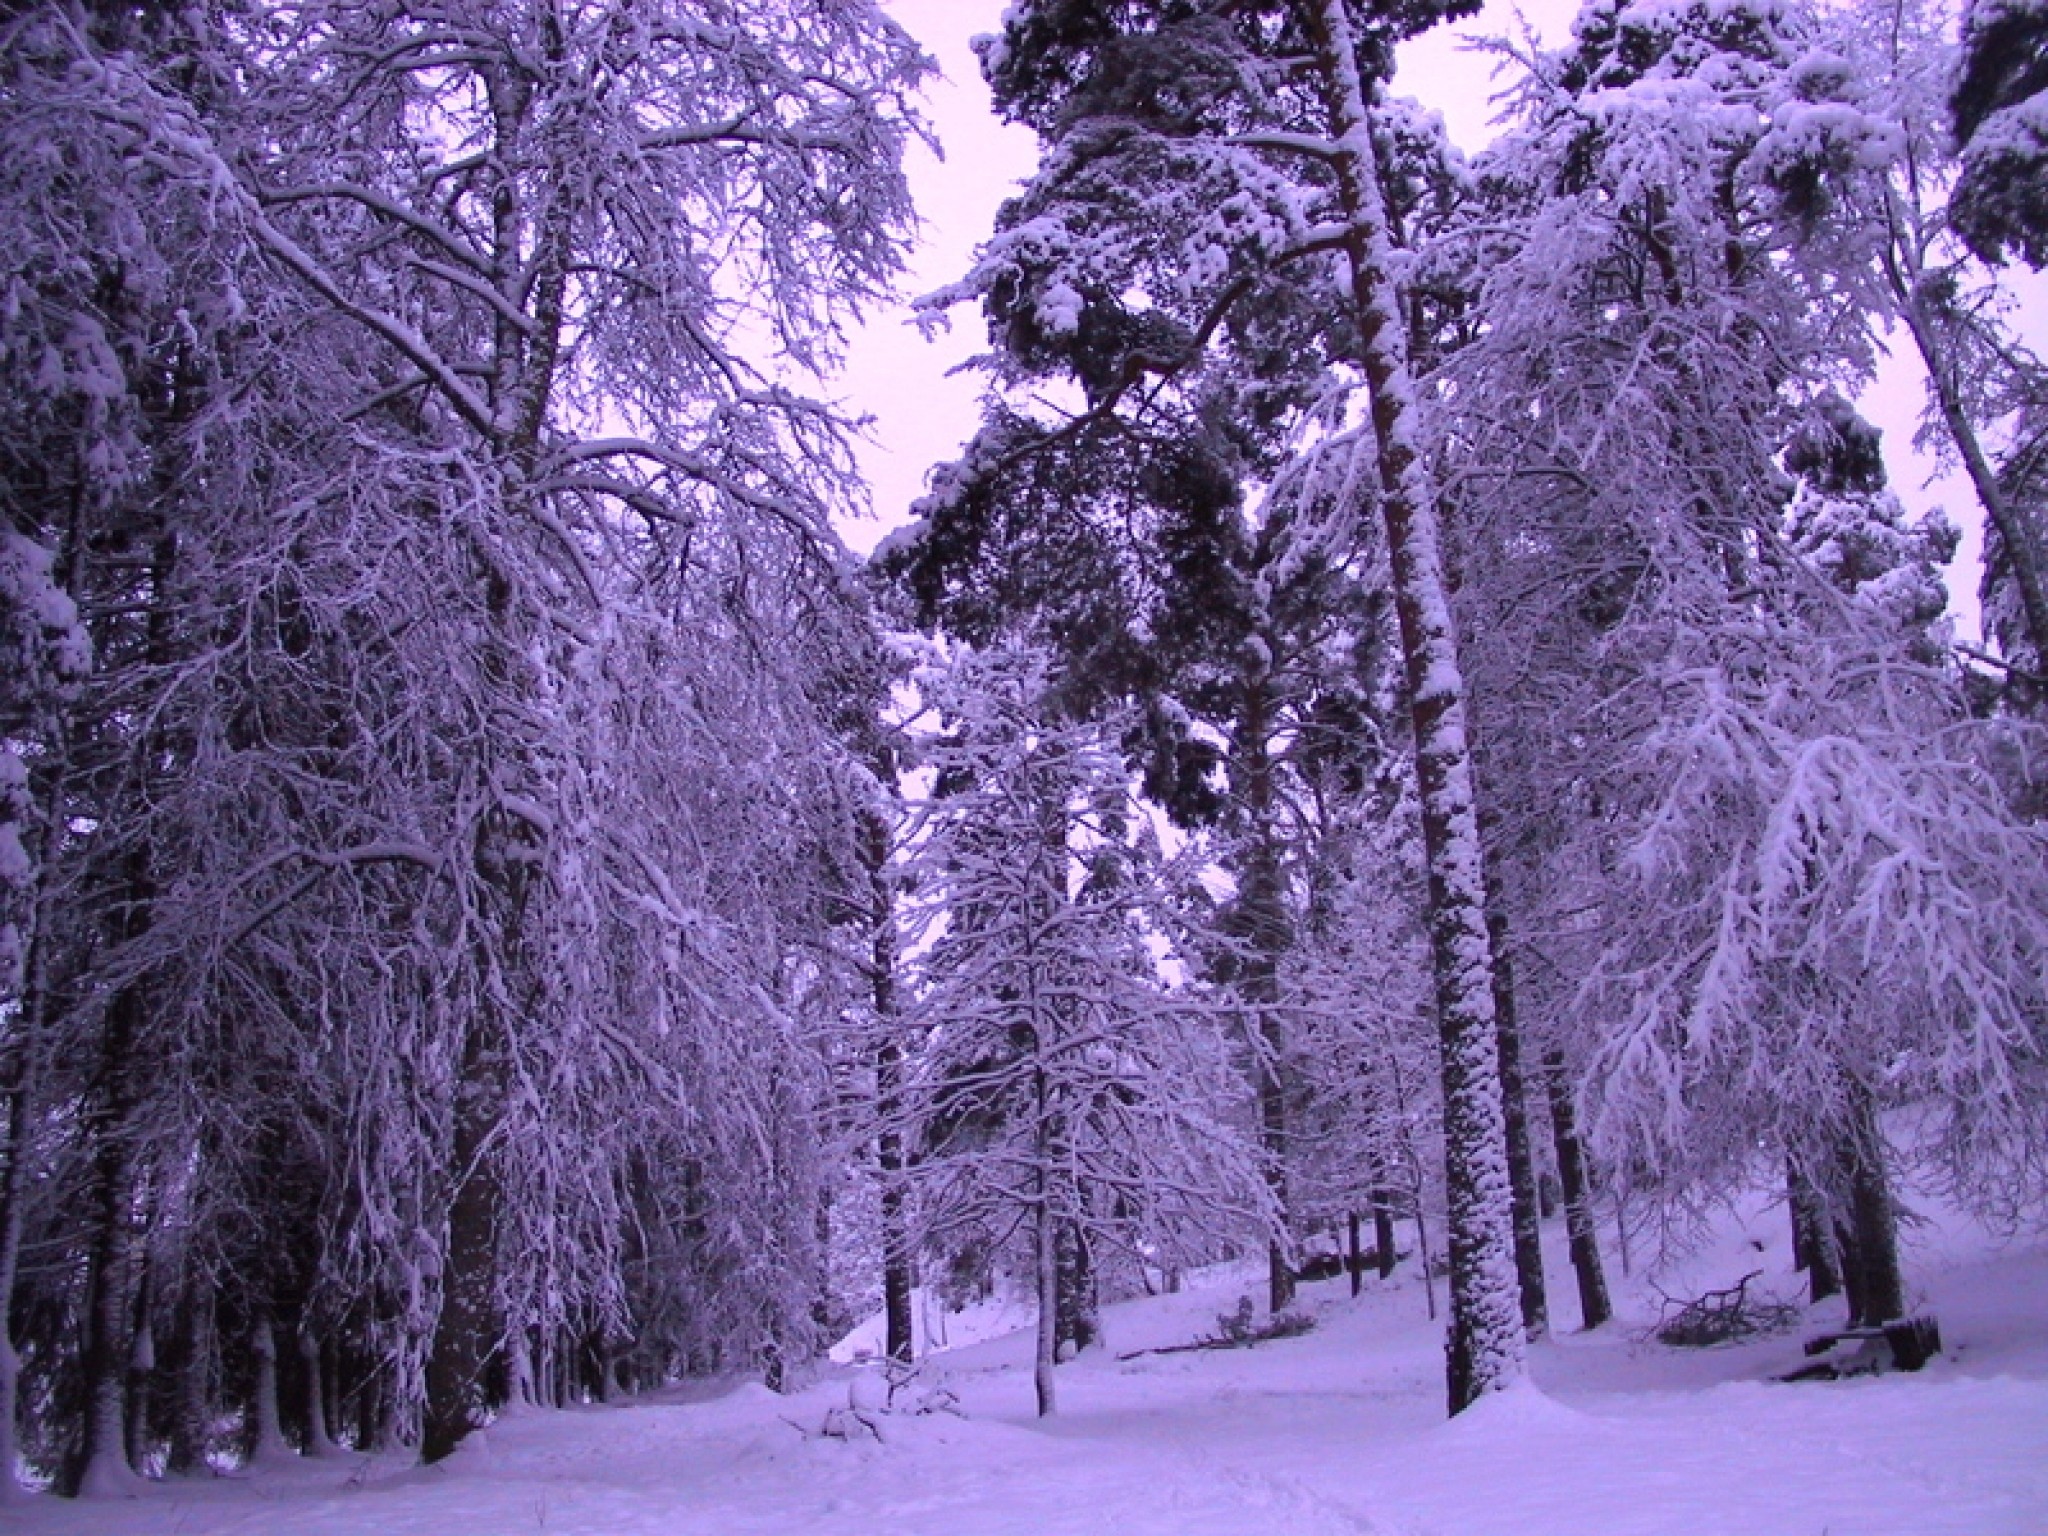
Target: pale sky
(923, 416)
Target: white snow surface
(1339, 1431)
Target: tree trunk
(141, 1371)
(10, 1393)
(522, 1386)
(1515, 1111)
(1263, 922)
(1383, 1233)
(24, 1078)
(1870, 1221)
(1594, 1305)
(1621, 1231)
(1484, 1348)
(1046, 1241)
(467, 1333)
(1079, 1314)
(191, 1401)
(1354, 1254)
(313, 1383)
(11, 1192)
(1813, 1244)
(898, 1278)
(897, 1275)
(2014, 526)
(110, 1264)
(266, 1440)
(898, 1270)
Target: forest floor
(1341, 1430)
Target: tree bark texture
(1045, 1356)
(1383, 1233)
(1813, 1244)
(1515, 1111)
(266, 1437)
(467, 1333)
(900, 1340)
(1484, 1345)
(1594, 1306)
(1267, 935)
(109, 1283)
(1868, 1219)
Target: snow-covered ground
(1338, 1431)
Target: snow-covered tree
(1999, 110)
(1201, 161)
(1063, 1095)
(1671, 262)
(447, 850)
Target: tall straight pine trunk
(1484, 1345)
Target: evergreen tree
(1200, 156)
(1061, 1091)
(1999, 112)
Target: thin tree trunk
(1048, 1140)
(2015, 529)
(141, 1371)
(898, 1279)
(1383, 1232)
(1515, 1111)
(1813, 1245)
(1485, 1347)
(24, 1079)
(1046, 1355)
(898, 1270)
(1580, 1224)
(1354, 1254)
(1080, 1309)
(1426, 1256)
(330, 1387)
(24, 1069)
(1267, 934)
(522, 1384)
